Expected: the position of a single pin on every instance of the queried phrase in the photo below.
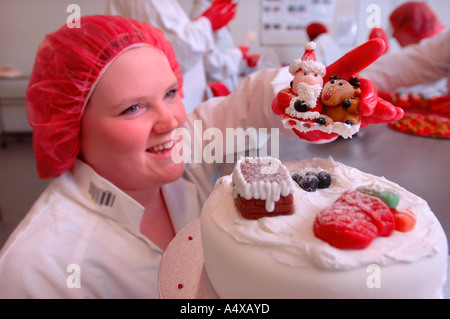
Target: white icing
(307, 66)
(270, 192)
(310, 46)
(309, 94)
(340, 128)
(283, 255)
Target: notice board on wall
(285, 21)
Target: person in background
(327, 50)
(421, 66)
(414, 21)
(191, 39)
(227, 62)
(105, 105)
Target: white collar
(103, 197)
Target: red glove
(252, 60)
(220, 13)
(244, 49)
(372, 109)
(219, 89)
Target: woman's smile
(161, 148)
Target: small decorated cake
(349, 235)
(262, 187)
(311, 105)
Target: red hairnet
(416, 18)
(68, 64)
(315, 29)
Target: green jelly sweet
(389, 196)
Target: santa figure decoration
(306, 85)
(301, 101)
(300, 106)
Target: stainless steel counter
(419, 164)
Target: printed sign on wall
(285, 21)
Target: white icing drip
(265, 190)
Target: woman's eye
(305, 73)
(171, 93)
(132, 109)
(316, 75)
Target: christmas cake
(350, 235)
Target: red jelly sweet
(354, 220)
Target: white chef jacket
(82, 220)
(191, 39)
(427, 62)
(225, 63)
(327, 50)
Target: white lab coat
(67, 227)
(191, 39)
(224, 63)
(327, 50)
(427, 62)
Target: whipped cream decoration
(291, 241)
(291, 111)
(309, 94)
(340, 128)
(268, 190)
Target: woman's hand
(372, 108)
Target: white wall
(24, 23)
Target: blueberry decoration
(321, 121)
(297, 177)
(346, 104)
(301, 106)
(324, 179)
(309, 183)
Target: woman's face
(127, 125)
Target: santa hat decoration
(308, 62)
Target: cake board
(182, 273)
